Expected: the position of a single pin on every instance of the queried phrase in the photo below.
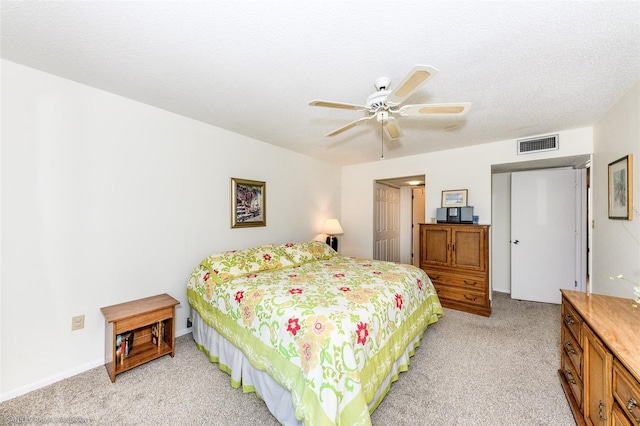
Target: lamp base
(332, 241)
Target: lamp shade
(331, 227)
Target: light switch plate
(77, 322)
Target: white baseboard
(183, 332)
(50, 380)
(65, 374)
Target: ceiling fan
(385, 103)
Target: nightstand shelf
(139, 316)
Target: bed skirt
(278, 399)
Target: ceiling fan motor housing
(382, 83)
(377, 99)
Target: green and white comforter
(328, 328)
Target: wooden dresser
(456, 258)
(600, 358)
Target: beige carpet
(469, 370)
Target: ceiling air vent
(544, 143)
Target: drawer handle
(568, 348)
(470, 283)
(568, 320)
(630, 406)
(602, 407)
(569, 377)
(474, 298)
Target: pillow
(230, 264)
(308, 251)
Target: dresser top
(615, 322)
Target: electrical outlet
(77, 322)
(189, 323)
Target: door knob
(516, 241)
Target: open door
(417, 217)
(543, 234)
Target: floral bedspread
(327, 328)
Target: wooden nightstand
(139, 317)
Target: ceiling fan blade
(350, 125)
(341, 105)
(435, 109)
(392, 128)
(418, 75)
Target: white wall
(501, 233)
(464, 168)
(106, 200)
(616, 243)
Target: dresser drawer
(467, 282)
(618, 416)
(571, 376)
(626, 390)
(454, 293)
(572, 321)
(572, 349)
(144, 319)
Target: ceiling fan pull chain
(381, 139)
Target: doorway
(501, 238)
(386, 223)
(404, 220)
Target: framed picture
(248, 203)
(620, 188)
(454, 198)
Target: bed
(318, 336)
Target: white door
(387, 223)
(417, 202)
(543, 234)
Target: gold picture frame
(454, 198)
(248, 203)
(621, 188)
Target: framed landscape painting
(248, 203)
(454, 198)
(620, 188)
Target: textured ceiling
(527, 67)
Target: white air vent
(544, 143)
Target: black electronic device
(466, 214)
(455, 214)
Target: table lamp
(331, 228)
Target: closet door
(543, 234)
